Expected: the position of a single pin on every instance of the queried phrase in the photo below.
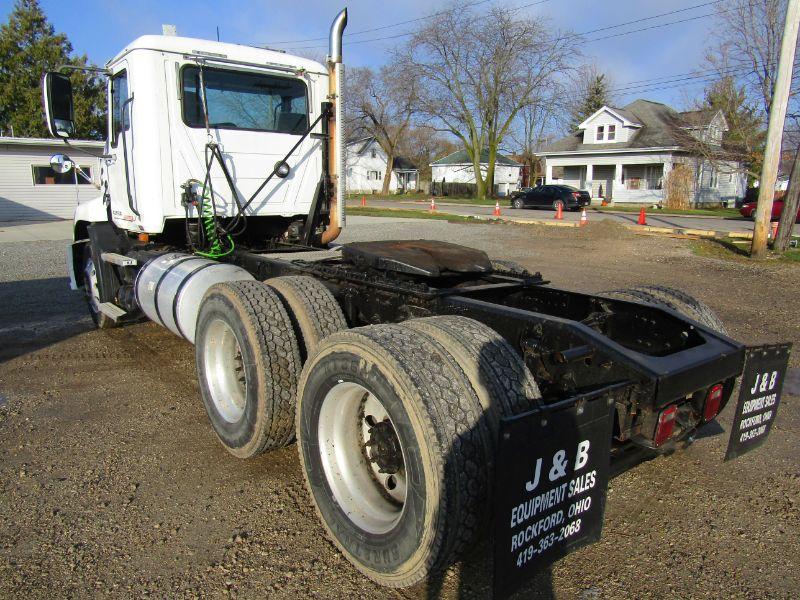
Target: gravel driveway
(112, 483)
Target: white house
(458, 168)
(625, 155)
(366, 166)
(30, 190)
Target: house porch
(624, 182)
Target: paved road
(712, 223)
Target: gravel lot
(112, 483)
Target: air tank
(169, 288)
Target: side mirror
(61, 163)
(57, 95)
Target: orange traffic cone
(774, 229)
(584, 219)
(496, 212)
(642, 217)
(433, 204)
(363, 201)
(559, 211)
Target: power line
(570, 36)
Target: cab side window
(120, 119)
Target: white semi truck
(436, 396)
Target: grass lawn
(738, 250)
(708, 212)
(409, 213)
(425, 197)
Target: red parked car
(749, 209)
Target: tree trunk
(791, 201)
(480, 186)
(387, 177)
(490, 170)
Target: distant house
(626, 154)
(31, 191)
(366, 166)
(458, 168)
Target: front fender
(91, 211)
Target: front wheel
(518, 203)
(91, 288)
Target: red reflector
(666, 424)
(713, 400)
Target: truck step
(111, 310)
(118, 259)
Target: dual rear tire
(397, 424)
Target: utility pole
(777, 115)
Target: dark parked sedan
(550, 196)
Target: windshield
(238, 100)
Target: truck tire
(314, 311)
(394, 451)
(91, 288)
(248, 362)
(676, 300)
(502, 382)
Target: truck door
(121, 179)
(255, 118)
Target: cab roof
(219, 50)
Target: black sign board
(551, 480)
(762, 382)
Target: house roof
(698, 118)
(23, 141)
(462, 158)
(658, 130)
(627, 117)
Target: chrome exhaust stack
(336, 158)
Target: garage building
(31, 191)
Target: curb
(641, 229)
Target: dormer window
(373, 153)
(600, 133)
(612, 132)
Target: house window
(373, 153)
(713, 180)
(600, 131)
(374, 175)
(612, 132)
(44, 175)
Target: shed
(31, 191)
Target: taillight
(713, 400)
(576, 195)
(666, 424)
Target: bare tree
(421, 145)
(381, 105)
(741, 147)
(587, 90)
(478, 71)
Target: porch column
(589, 176)
(618, 174)
(548, 173)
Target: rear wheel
(518, 203)
(314, 311)
(394, 449)
(676, 300)
(558, 203)
(248, 361)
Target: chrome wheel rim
(362, 457)
(224, 371)
(91, 286)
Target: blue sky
(101, 28)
